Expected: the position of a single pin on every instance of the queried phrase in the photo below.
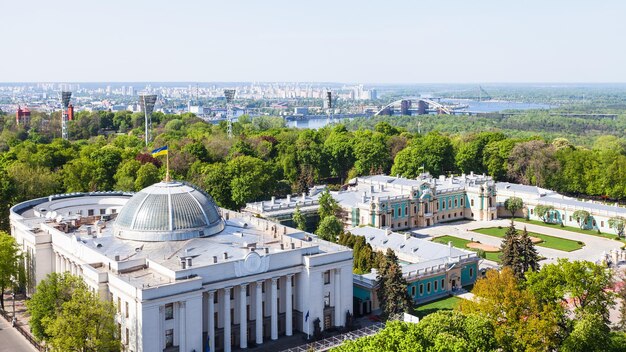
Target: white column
(161, 327)
(182, 315)
(57, 262)
(67, 264)
(243, 318)
(227, 319)
(259, 312)
(211, 321)
(274, 316)
(288, 307)
(337, 297)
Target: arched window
(383, 220)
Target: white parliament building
(184, 273)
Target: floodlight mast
(65, 102)
(329, 102)
(230, 95)
(146, 102)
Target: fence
(23, 331)
(328, 343)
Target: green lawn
(558, 243)
(448, 303)
(612, 236)
(462, 243)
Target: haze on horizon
(449, 41)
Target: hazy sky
(296, 40)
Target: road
(593, 250)
(11, 340)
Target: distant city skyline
(392, 42)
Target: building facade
(432, 270)
(397, 203)
(563, 207)
(183, 273)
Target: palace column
(243, 318)
(182, 312)
(288, 306)
(274, 307)
(227, 319)
(259, 312)
(57, 262)
(211, 320)
(337, 297)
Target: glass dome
(168, 211)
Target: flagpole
(167, 167)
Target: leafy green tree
(329, 228)
(590, 334)
(582, 284)
(9, 260)
(618, 223)
(251, 179)
(371, 153)
(126, 175)
(299, 219)
(147, 175)
(85, 323)
(581, 217)
(433, 153)
(513, 204)
(392, 287)
(338, 146)
(521, 321)
(47, 301)
(328, 205)
(544, 212)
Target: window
(232, 315)
(405, 223)
(443, 204)
(406, 211)
(428, 287)
(415, 209)
(215, 297)
(232, 293)
(113, 211)
(531, 212)
(247, 290)
(127, 310)
(263, 308)
(448, 216)
(412, 290)
(127, 336)
(443, 284)
(169, 338)
(278, 284)
(570, 218)
(471, 272)
(327, 276)
(263, 287)
(247, 312)
(594, 223)
(103, 211)
(563, 217)
(456, 202)
(393, 213)
(119, 305)
(472, 202)
(455, 215)
(327, 299)
(421, 289)
(449, 203)
(461, 201)
(169, 311)
(436, 286)
(293, 282)
(90, 212)
(601, 223)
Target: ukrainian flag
(160, 151)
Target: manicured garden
(462, 243)
(448, 303)
(558, 243)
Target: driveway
(11, 340)
(593, 250)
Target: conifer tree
(530, 257)
(511, 251)
(392, 289)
